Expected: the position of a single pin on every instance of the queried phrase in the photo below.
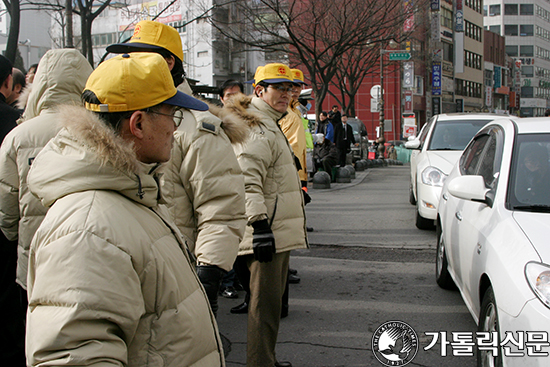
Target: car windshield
(529, 185)
(454, 135)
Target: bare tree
(354, 65)
(88, 10)
(315, 33)
(69, 24)
(14, 10)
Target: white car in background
(493, 228)
(437, 148)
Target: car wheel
(412, 200)
(488, 322)
(442, 275)
(423, 223)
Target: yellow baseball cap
(149, 35)
(298, 76)
(273, 73)
(136, 81)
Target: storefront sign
(436, 78)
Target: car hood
(443, 160)
(536, 227)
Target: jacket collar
(266, 109)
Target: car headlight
(433, 176)
(538, 277)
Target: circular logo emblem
(282, 71)
(137, 30)
(395, 343)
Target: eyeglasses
(281, 88)
(177, 115)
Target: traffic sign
(400, 56)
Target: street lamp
(381, 102)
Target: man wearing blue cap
(110, 278)
(274, 207)
(203, 183)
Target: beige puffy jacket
(110, 282)
(271, 181)
(204, 186)
(293, 128)
(60, 79)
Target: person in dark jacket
(325, 127)
(335, 116)
(325, 154)
(8, 114)
(12, 306)
(343, 138)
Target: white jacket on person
(204, 186)
(273, 189)
(60, 79)
(110, 282)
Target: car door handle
(458, 216)
(445, 197)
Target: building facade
(34, 34)
(525, 24)
(209, 58)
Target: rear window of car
(454, 135)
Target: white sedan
(436, 150)
(493, 228)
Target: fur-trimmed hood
(234, 127)
(238, 107)
(88, 155)
(23, 98)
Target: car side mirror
(413, 144)
(470, 188)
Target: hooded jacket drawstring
(140, 192)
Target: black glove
(211, 277)
(307, 198)
(297, 163)
(263, 242)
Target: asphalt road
(368, 264)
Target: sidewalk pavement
(359, 177)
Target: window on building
(446, 18)
(511, 30)
(494, 10)
(527, 92)
(526, 9)
(527, 71)
(418, 85)
(485, 12)
(474, 4)
(510, 9)
(448, 52)
(526, 30)
(495, 29)
(202, 53)
(526, 50)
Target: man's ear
(135, 124)
(171, 61)
(258, 90)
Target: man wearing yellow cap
(203, 183)
(274, 207)
(110, 281)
